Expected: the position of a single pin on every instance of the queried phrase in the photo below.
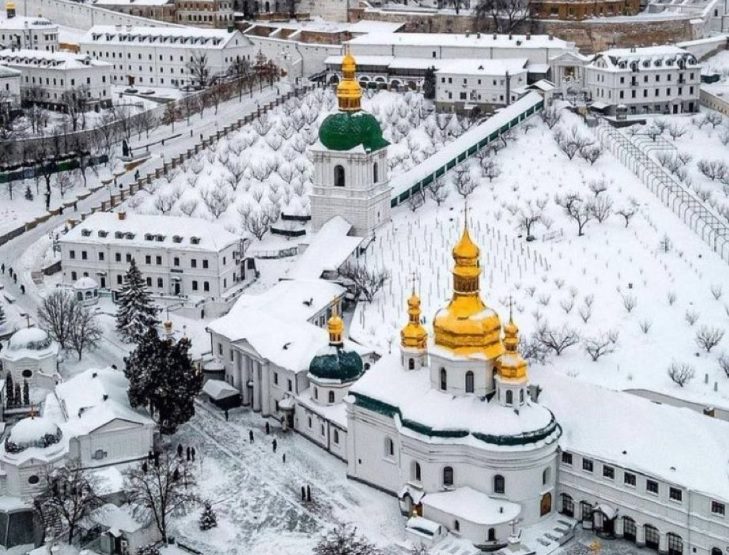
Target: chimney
(495, 35)
(93, 374)
(105, 397)
(121, 215)
(528, 36)
(511, 36)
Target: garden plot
(246, 180)
(635, 296)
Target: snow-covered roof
(416, 401)
(152, 231)
(472, 505)
(174, 37)
(48, 60)
(601, 423)
(292, 299)
(6, 72)
(116, 519)
(94, 398)
(32, 429)
(33, 343)
(287, 344)
(218, 389)
(134, 2)
(482, 67)
(376, 61)
(629, 59)
(85, 282)
(21, 22)
(329, 249)
(470, 40)
(336, 413)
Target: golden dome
(511, 365)
(467, 326)
(413, 334)
(349, 93)
(335, 326)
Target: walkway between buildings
(467, 145)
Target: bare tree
(724, 363)
(199, 69)
(713, 169)
(528, 216)
(602, 207)
(216, 199)
(709, 337)
(714, 119)
(438, 191)
(161, 487)
(627, 212)
(571, 142)
(85, 332)
(577, 208)
(600, 345)
(681, 373)
(551, 115)
(505, 15)
(557, 339)
(676, 131)
(363, 282)
(465, 184)
(57, 313)
(74, 102)
(68, 497)
(598, 186)
(591, 153)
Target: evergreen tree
(26, 393)
(17, 395)
(10, 391)
(344, 540)
(136, 312)
(429, 83)
(2, 315)
(208, 519)
(162, 378)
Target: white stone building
(87, 419)
(161, 56)
(350, 164)
(204, 13)
(656, 79)
(465, 85)
(46, 76)
(27, 33)
(9, 88)
(179, 257)
(32, 356)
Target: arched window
(448, 476)
(331, 396)
(339, 176)
(469, 382)
(652, 536)
(509, 397)
(546, 475)
(411, 364)
(675, 544)
(389, 447)
(336, 436)
(416, 471)
(443, 379)
(499, 484)
(630, 531)
(568, 505)
(492, 535)
(316, 393)
(375, 173)
(716, 551)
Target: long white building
(178, 257)
(27, 33)
(162, 56)
(656, 79)
(46, 76)
(9, 88)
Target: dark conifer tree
(136, 312)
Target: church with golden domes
(350, 163)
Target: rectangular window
(149, 282)
(129, 257)
(206, 286)
(587, 465)
(608, 472)
(148, 259)
(675, 494)
(72, 254)
(101, 256)
(718, 508)
(84, 255)
(275, 378)
(117, 257)
(160, 283)
(567, 458)
(176, 260)
(629, 479)
(651, 486)
(194, 285)
(159, 261)
(193, 263)
(205, 263)
(291, 386)
(118, 279)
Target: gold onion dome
(511, 365)
(413, 334)
(335, 326)
(334, 362)
(467, 326)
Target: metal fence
(677, 196)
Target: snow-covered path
(258, 496)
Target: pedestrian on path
(283, 458)
(192, 452)
(275, 445)
(303, 493)
(3, 267)
(226, 415)
(22, 289)
(187, 455)
(250, 435)
(268, 429)
(308, 492)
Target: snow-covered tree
(364, 282)
(69, 495)
(208, 518)
(85, 331)
(160, 487)
(56, 313)
(681, 373)
(429, 83)
(135, 313)
(150, 549)
(344, 540)
(162, 378)
(3, 318)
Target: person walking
(268, 428)
(308, 492)
(250, 435)
(275, 445)
(283, 458)
(226, 415)
(303, 493)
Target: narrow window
(338, 176)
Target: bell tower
(350, 162)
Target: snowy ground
(561, 275)
(257, 495)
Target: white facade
(659, 79)
(28, 33)
(161, 56)
(46, 76)
(465, 84)
(204, 13)
(32, 356)
(353, 184)
(179, 257)
(9, 87)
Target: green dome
(334, 363)
(347, 130)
